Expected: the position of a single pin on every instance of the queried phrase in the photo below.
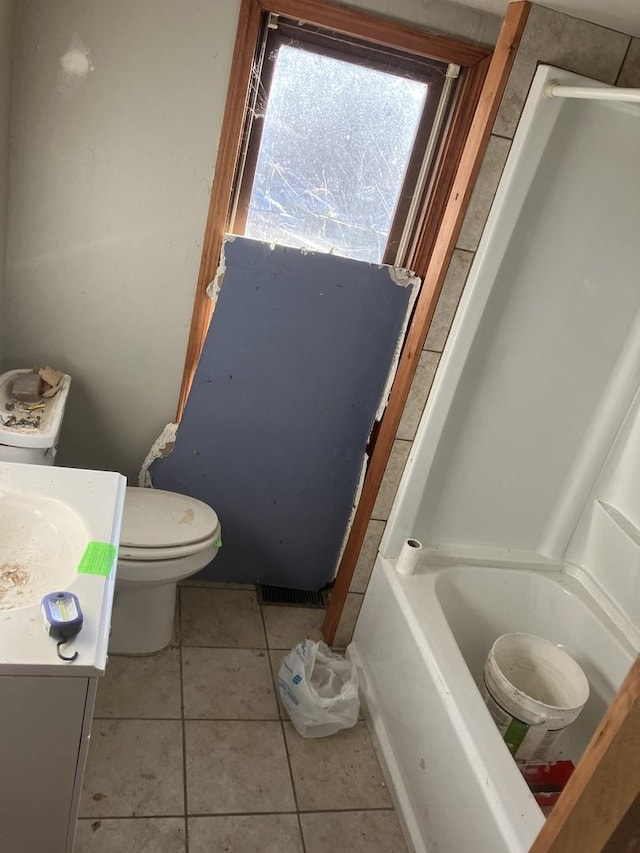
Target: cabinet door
(40, 731)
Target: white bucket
(533, 690)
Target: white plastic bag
(319, 689)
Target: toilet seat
(159, 525)
(166, 538)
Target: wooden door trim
(499, 67)
(249, 26)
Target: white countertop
(98, 498)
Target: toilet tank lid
(154, 518)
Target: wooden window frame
(366, 25)
(329, 44)
(432, 246)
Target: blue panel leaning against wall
(283, 401)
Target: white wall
(117, 110)
(454, 18)
(7, 21)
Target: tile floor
(192, 753)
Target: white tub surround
(522, 482)
(421, 663)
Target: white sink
(41, 543)
(59, 532)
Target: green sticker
(218, 542)
(515, 734)
(97, 559)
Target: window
(335, 141)
(412, 240)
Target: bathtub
(522, 481)
(456, 786)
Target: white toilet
(165, 538)
(24, 444)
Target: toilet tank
(33, 446)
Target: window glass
(335, 145)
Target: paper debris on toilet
(53, 378)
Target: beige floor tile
(141, 835)
(338, 772)
(245, 834)
(288, 626)
(141, 686)
(357, 832)
(221, 617)
(231, 684)
(134, 769)
(235, 767)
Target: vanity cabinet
(45, 725)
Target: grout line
(293, 785)
(184, 734)
(133, 817)
(233, 648)
(210, 646)
(304, 811)
(232, 814)
(624, 61)
(190, 719)
(266, 638)
(473, 251)
(498, 136)
(282, 714)
(233, 719)
(239, 814)
(213, 586)
(348, 811)
(284, 738)
(139, 719)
